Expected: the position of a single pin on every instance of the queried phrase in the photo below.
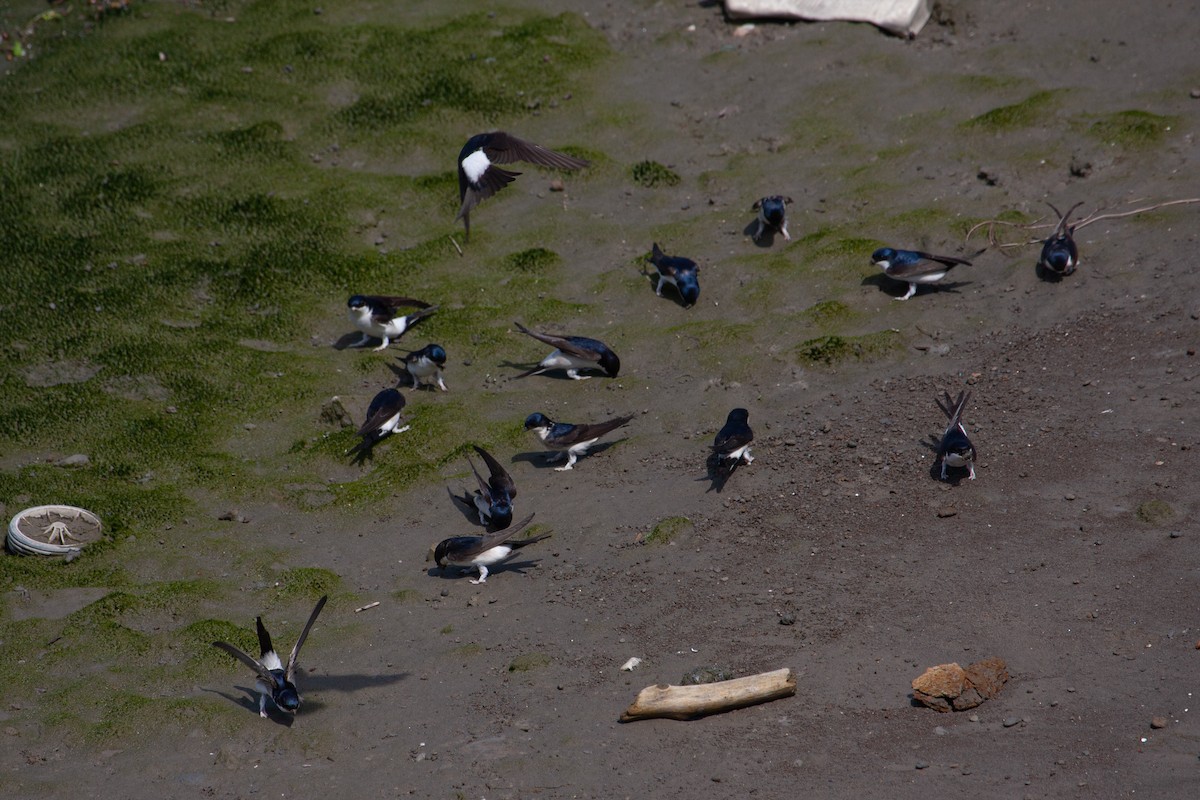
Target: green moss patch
(1155, 512)
(536, 260)
(827, 312)
(1029, 112)
(830, 350)
(308, 582)
(1132, 129)
(529, 661)
(665, 531)
(652, 174)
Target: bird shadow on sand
(351, 682)
(465, 505)
(765, 241)
(716, 476)
(349, 341)
(669, 292)
(363, 452)
(898, 288)
(1047, 275)
(454, 573)
(543, 459)
(554, 373)
(250, 702)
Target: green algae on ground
(665, 531)
(529, 661)
(308, 582)
(536, 260)
(467, 650)
(1132, 129)
(1155, 512)
(830, 350)
(827, 312)
(1024, 114)
(652, 174)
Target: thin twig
(364, 608)
(1097, 217)
(1038, 224)
(456, 247)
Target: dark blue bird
(1059, 254)
(570, 440)
(914, 266)
(732, 445)
(955, 449)
(383, 418)
(679, 272)
(274, 679)
(493, 499)
(425, 366)
(772, 215)
(479, 178)
(573, 353)
(482, 552)
(379, 317)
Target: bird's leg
(746, 457)
(912, 289)
(783, 230)
(382, 346)
(402, 430)
(758, 232)
(943, 469)
(971, 467)
(570, 462)
(483, 573)
(366, 337)
(441, 383)
(262, 705)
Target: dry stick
(456, 247)
(1090, 219)
(991, 224)
(689, 702)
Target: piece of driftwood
(689, 702)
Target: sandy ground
(1083, 410)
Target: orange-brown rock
(949, 687)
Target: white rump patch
(475, 165)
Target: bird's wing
(485, 543)
(383, 407)
(484, 488)
(728, 441)
(949, 261)
(583, 433)
(504, 148)
(553, 341)
(500, 479)
(253, 663)
(290, 674)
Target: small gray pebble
(1011, 721)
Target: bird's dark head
(439, 553)
(610, 363)
(738, 415)
(356, 301)
(537, 420)
(883, 254)
(436, 354)
(288, 699)
(689, 290)
(502, 512)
